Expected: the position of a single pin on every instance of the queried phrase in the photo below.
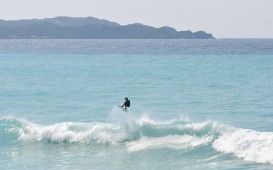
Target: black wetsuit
(126, 104)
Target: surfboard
(122, 108)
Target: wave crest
(77, 132)
(247, 144)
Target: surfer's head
(126, 98)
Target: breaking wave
(145, 133)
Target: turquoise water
(195, 104)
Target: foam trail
(171, 141)
(175, 134)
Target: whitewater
(195, 104)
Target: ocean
(195, 104)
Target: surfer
(126, 104)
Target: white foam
(171, 141)
(146, 120)
(76, 132)
(247, 144)
(198, 126)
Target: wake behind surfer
(126, 104)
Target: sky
(222, 18)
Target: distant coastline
(89, 28)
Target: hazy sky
(222, 18)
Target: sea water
(195, 104)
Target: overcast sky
(222, 18)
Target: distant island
(89, 28)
